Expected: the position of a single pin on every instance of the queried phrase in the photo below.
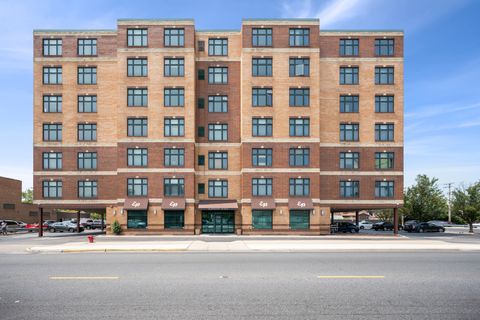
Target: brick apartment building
(266, 129)
(11, 205)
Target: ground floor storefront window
(218, 222)
(136, 219)
(174, 219)
(299, 219)
(262, 219)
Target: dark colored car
(429, 227)
(64, 226)
(97, 224)
(382, 225)
(410, 225)
(347, 227)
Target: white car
(365, 224)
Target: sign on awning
(173, 204)
(263, 204)
(218, 204)
(300, 203)
(136, 204)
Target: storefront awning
(218, 204)
(263, 204)
(173, 204)
(136, 204)
(300, 203)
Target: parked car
(64, 226)
(21, 224)
(87, 224)
(13, 226)
(97, 224)
(439, 223)
(365, 224)
(429, 227)
(410, 225)
(382, 225)
(345, 227)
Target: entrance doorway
(218, 222)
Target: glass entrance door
(218, 222)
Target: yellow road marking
(351, 277)
(84, 278)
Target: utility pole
(449, 185)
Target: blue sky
(442, 65)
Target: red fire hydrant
(91, 239)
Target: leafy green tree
(424, 200)
(27, 196)
(466, 204)
(384, 214)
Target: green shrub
(116, 228)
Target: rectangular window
(87, 132)
(218, 47)
(137, 97)
(262, 219)
(174, 67)
(384, 47)
(87, 104)
(52, 47)
(384, 189)
(201, 74)
(261, 157)
(261, 67)
(87, 75)
(348, 75)
(299, 187)
(384, 104)
(299, 97)
(174, 37)
(349, 132)
(52, 132)
(349, 189)
(87, 189)
(52, 75)
(173, 219)
(218, 132)
(262, 97)
(218, 188)
(173, 97)
(137, 187)
(87, 47)
(52, 103)
(174, 127)
(137, 37)
(218, 75)
(384, 75)
(349, 47)
(261, 37)
(174, 157)
(52, 189)
(52, 160)
(201, 45)
(384, 160)
(137, 67)
(299, 67)
(201, 103)
(349, 104)
(349, 160)
(299, 37)
(137, 127)
(137, 219)
(201, 188)
(173, 187)
(217, 103)
(262, 187)
(384, 132)
(299, 157)
(137, 157)
(87, 160)
(299, 219)
(201, 131)
(299, 127)
(201, 160)
(262, 127)
(218, 160)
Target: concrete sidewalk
(244, 245)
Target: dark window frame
(299, 97)
(213, 130)
(137, 67)
(349, 47)
(262, 184)
(384, 132)
(84, 158)
(82, 103)
(86, 75)
(218, 185)
(172, 95)
(135, 124)
(173, 67)
(86, 132)
(83, 44)
(169, 154)
(299, 157)
(349, 188)
(260, 153)
(52, 131)
(56, 46)
(218, 47)
(262, 67)
(137, 37)
(299, 127)
(134, 183)
(294, 64)
(137, 157)
(349, 130)
(173, 187)
(52, 103)
(349, 160)
(174, 127)
(55, 158)
(349, 103)
(262, 37)
(299, 37)
(299, 187)
(89, 186)
(218, 103)
(215, 157)
(262, 127)
(135, 95)
(175, 35)
(349, 75)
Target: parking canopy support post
(356, 218)
(78, 221)
(395, 221)
(103, 220)
(40, 222)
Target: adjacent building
(11, 205)
(268, 129)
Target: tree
(424, 200)
(466, 204)
(27, 196)
(384, 214)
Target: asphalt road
(432, 285)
